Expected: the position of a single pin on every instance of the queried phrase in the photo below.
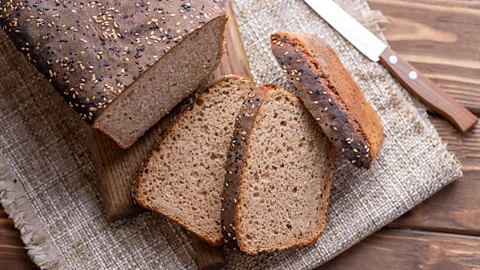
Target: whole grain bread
(329, 92)
(279, 172)
(123, 64)
(184, 175)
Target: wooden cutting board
(116, 168)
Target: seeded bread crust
(92, 51)
(329, 92)
(137, 196)
(236, 164)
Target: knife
(412, 79)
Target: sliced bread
(184, 175)
(331, 95)
(279, 172)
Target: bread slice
(331, 95)
(183, 177)
(122, 65)
(279, 173)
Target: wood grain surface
(440, 38)
(208, 257)
(405, 250)
(13, 255)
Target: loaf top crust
(329, 92)
(92, 50)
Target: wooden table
(442, 39)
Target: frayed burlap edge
(14, 199)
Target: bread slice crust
(329, 92)
(140, 183)
(233, 193)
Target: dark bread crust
(331, 95)
(236, 163)
(91, 51)
(136, 187)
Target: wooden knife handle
(429, 93)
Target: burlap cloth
(48, 186)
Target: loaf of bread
(122, 65)
(184, 175)
(329, 92)
(278, 175)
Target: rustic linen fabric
(47, 179)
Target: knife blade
(412, 79)
(366, 42)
